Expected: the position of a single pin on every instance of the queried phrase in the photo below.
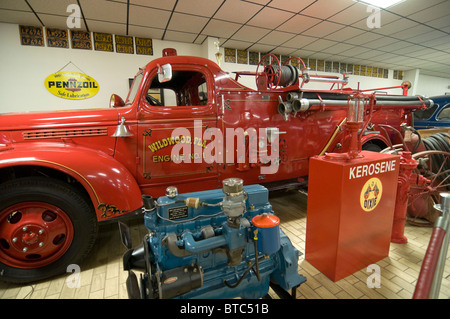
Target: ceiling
(414, 34)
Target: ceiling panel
(363, 38)
(179, 36)
(298, 24)
(200, 39)
(350, 15)
(440, 23)
(339, 48)
(303, 53)
(145, 32)
(427, 36)
(432, 13)
(369, 55)
(205, 8)
(409, 7)
(237, 11)
(260, 2)
(355, 51)
(187, 23)
(405, 49)
(299, 41)
(284, 50)
(270, 18)
(395, 27)
(322, 29)
(439, 56)
(236, 44)
(344, 34)
(369, 22)
(14, 5)
(421, 53)
(381, 42)
(276, 37)
(220, 28)
(158, 4)
(324, 9)
(319, 45)
(261, 48)
(58, 7)
(249, 33)
(105, 11)
(438, 43)
(19, 17)
(289, 5)
(56, 21)
(412, 34)
(108, 27)
(139, 16)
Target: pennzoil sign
(71, 85)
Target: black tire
(79, 215)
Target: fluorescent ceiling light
(381, 3)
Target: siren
(169, 52)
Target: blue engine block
(204, 245)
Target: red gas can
(350, 211)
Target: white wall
(24, 69)
(432, 86)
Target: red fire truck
(62, 173)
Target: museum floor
(102, 275)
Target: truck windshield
(134, 87)
(186, 88)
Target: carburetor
(221, 243)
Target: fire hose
(437, 146)
(431, 272)
(438, 142)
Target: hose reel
(274, 74)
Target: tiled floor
(102, 275)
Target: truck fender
(112, 188)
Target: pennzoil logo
(71, 85)
(371, 194)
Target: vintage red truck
(63, 172)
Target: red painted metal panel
(350, 212)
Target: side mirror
(116, 101)
(164, 73)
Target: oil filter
(268, 226)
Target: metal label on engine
(178, 212)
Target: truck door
(172, 120)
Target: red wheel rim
(34, 234)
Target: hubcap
(34, 234)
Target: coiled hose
(438, 142)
